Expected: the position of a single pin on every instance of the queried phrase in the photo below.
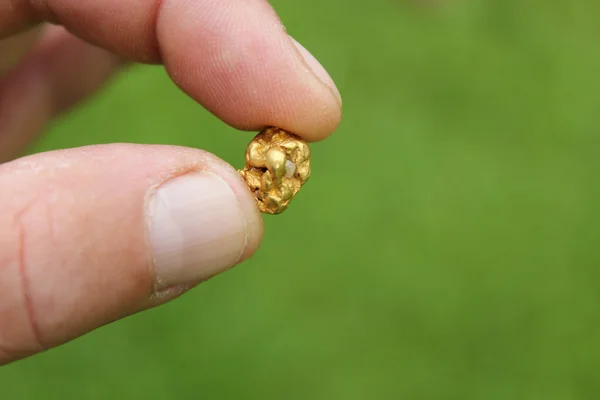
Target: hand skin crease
(25, 289)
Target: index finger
(233, 57)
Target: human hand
(91, 235)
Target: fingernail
(197, 229)
(317, 69)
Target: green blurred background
(456, 256)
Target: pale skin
(76, 252)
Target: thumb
(91, 235)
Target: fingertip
(237, 60)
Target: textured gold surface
(277, 165)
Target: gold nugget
(277, 165)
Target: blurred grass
(456, 256)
